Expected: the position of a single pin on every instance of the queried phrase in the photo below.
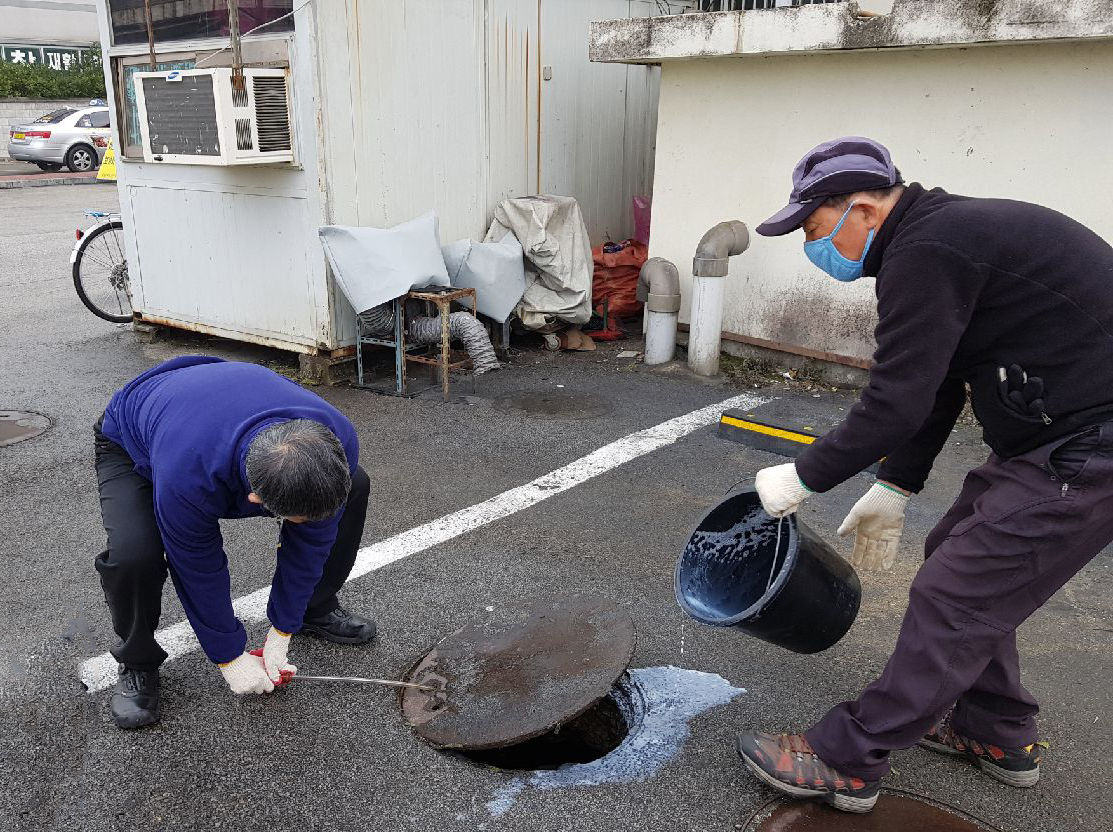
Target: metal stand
(418, 353)
(500, 336)
(443, 300)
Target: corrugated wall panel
(643, 87)
(512, 91)
(415, 98)
(585, 149)
(232, 261)
(436, 106)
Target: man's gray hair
(299, 469)
(844, 200)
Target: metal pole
(150, 34)
(400, 345)
(234, 39)
(446, 346)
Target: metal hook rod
(360, 680)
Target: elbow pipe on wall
(717, 246)
(709, 266)
(659, 290)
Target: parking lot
(608, 502)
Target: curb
(783, 439)
(42, 181)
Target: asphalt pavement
(341, 758)
(14, 175)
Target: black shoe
(135, 700)
(1019, 767)
(341, 627)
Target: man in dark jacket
(1016, 301)
(196, 440)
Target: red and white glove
(274, 654)
(246, 674)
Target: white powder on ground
(673, 696)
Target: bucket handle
(747, 477)
(780, 526)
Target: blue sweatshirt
(187, 424)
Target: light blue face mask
(825, 256)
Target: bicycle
(100, 268)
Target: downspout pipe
(709, 267)
(659, 290)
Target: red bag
(616, 278)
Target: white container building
(396, 107)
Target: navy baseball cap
(834, 168)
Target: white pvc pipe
(705, 338)
(660, 337)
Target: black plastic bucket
(799, 594)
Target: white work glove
(274, 654)
(878, 518)
(780, 489)
(246, 674)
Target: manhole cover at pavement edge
(554, 404)
(519, 672)
(892, 812)
(17, 425)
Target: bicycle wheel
(100, 273)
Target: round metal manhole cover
(554, 404)
(519, 672)
(17, 425)
(889, 813)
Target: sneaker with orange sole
(787, 763)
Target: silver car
(74, 138)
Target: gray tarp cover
(558, 252)
(494, 270)
(377, 265)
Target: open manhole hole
(554, 404)
(17, 425)
(891, 812)
(592, 735)
(532, 686)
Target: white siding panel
(416, 103)
(231, 261)
(584, 142)
(436, 105)
(512, 70)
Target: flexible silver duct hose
(463, 327)
(378, 321)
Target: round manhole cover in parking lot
(554, 404)
(17, 425)
(519, 672)
(892, 812)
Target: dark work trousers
(133, 568)
(1019, 530)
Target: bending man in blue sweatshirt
(196, 440)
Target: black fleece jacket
(966, 286)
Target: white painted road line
(99, 672)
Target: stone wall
(22, 110)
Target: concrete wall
(61, 22)
(21, 110)
(1026, 122)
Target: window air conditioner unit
(197, 117)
